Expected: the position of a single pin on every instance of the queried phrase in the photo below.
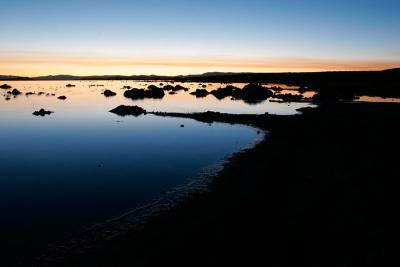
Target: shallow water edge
(135, 219)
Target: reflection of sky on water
(83, 164)
(88, 98)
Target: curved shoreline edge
(136, 219)
(312, 194)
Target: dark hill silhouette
(212, 76)
(14, 78)
(384, 83)
(60, 77)
(393, 70)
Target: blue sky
(130, 34)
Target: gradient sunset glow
(187, 37)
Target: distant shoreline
(207, 75)
(384, 83)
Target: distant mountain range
(204, 76)
(63, 77)
(13, 78)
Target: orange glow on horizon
(52, 65)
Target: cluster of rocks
(39, 94)
(251, 92)
(151, 92)
(229, 90)
(175, 88)
(14, 92)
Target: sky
(99, 37)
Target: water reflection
(378, 99)
(87, 95)
(83, 164)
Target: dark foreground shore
(311, 194)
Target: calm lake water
(82, 165)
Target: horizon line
(217, 73)
(34, 66)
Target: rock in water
(42, 112)
(155, 92)
(128, 110)
(5, 86)
(255, 92)
(109, 93)
(200, 93)
(15, 92)
(151, 92)
(229, 90)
